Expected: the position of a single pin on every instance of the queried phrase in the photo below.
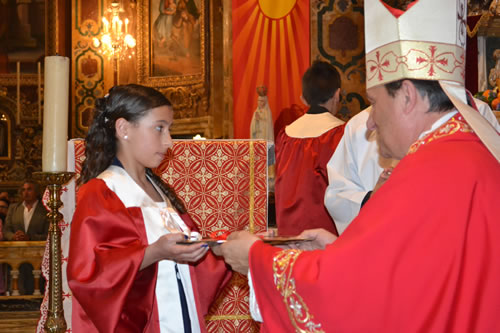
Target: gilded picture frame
(6, 123)
(30, 76)
(171, 49)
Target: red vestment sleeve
(422, 256)
(107, 245)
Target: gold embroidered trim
(298, 312)
(228, 317)
(415, 60)
(483, 21)
(452, 126)
(251, 202)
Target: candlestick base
(54, 181)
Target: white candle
(126, 26)
(55, 109)
(39, 93)
(18, 113)
(106, 25)
(114, 23)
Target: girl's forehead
(160, 113)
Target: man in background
(27, 220)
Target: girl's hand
(170, 250)
(166, 247)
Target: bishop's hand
(319, 239)
(235, 251)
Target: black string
(185, 311)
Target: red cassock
(301, 181)
(422, 256)
(107, 246)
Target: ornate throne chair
(224, 186)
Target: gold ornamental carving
(54, 182)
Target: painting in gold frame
(6, 121)
(33, 46)
(171, 45)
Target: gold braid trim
(228, 317)
(298, 312)
(251, 202)
(483, 20)
(452, 126)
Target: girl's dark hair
(168, 191)
(130, 102)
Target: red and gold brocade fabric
(224, 186)
(223, 182)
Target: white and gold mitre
(426, 42)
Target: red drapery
(471, 71)
(271, 48)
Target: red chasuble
(301, 181)
(107, 245)
(422, 256)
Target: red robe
(422, 256)
(107, 246)
(301, 181)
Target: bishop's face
(387, 118)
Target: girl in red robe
(125, 269)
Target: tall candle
(18, 113)
(106, 25)
(39, 94)
(55, 109)
(114, 23)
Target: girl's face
(149, 139)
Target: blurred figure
(4, 207)
(27, 221)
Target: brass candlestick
(54, 181)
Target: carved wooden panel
(337, 36)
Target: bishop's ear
(410, 95)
